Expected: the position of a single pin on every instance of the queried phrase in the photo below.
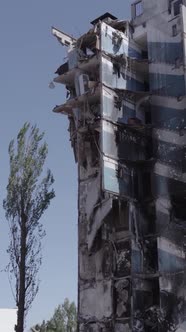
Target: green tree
(64, 319)
(28, 196)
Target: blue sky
(29, 57)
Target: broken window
(177, 7)
(150, 255)
(123, 259)
(169, 6)
(146, 306)
(146, 295)
(95, 143)
(148, 116)
(179, 208)
(146, 215)
(174, 30)
(122, 295)
(141, 184)
(120, 215)
(83, 83)
(107, 261)
(144, 54)
(87, 43)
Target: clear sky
(29, 57)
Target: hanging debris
(126, 99)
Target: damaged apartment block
(126, 105)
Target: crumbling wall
(126, 108)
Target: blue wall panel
(170, 154)
(164, 186)
(167, 85)
(169, 262)
(167, 53)
(170, 118)
(137, 263)
(120, 80)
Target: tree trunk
(22, 271)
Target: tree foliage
(28, 196)
(64, 319)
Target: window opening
(169, 6)
(174, 30)
(138, 8)
(176, 7)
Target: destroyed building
(126, 105)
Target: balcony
(67, 77)
(92, 96)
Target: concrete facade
(126, 102)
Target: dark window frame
(138, 8)
(174, 30)
(176, 7)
